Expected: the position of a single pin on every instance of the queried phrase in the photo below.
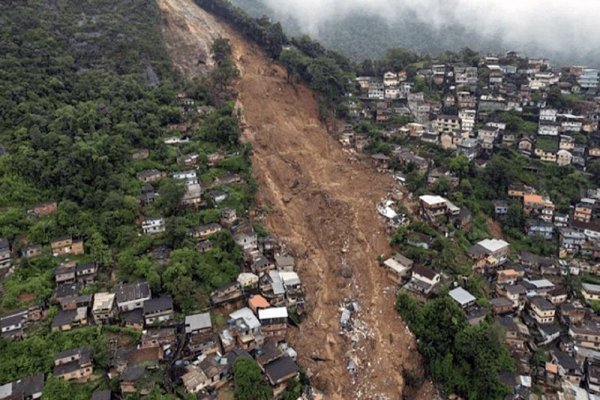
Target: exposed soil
(26, 298)
(495, 229)
(322, 205)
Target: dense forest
(87, 85)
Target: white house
(152, 225)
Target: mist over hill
(367, 28)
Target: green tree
(171, 193)
(99, 250)
(248, 381)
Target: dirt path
(323, 206)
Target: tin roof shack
(398, 267)
(73, 364)
(463, 298)
(102, 395)
(201, 339)
(273, 322)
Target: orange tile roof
(257, 302)
(553, 368)
(534, 198)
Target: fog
(556, 27)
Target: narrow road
(322, 205)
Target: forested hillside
(88, 98)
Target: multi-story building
(542, 310)
(132, 296)
(5, 260)
(66, 245)
(589, 78)
(467, 118)
(583, 212)
(152, 225)
(103, 309)
(534, 204)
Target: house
(246, 237)
(86, 273)
(583, 212)
(541, 310)
(132, 380)
(64, 273)
(571, 240)
(507, 277)
(538, 227)
(153, 225)
(586, 335)
(246, 328)
(192, 195)
(151, 175)
(194, 380)
(157, 310)
(568, 368)
(73, 303)
(558, 295)
(103, 309)
(5, 260)
(132, 296)
(159, 337)
(422, 282)
(513, 293)
(198, 328)
(563, 157)
(398, 267)
(73, 364)
(285, 263)
(572, 312)
(489, 253)
(12, 324)
(463, 298)
(43, 209)
(28, 388)
(204, 231)
(218, 196)
(27, 252)
(273, 321)
(500, 207)
(66, 245)
(534, 204)
(228, 217)
(501, 305)
(67, 290)
(257, 302)
(204, 246)
(280, 372)
(517, 191)
(66, 320)
(133, 319)
(226, 292)
(516, 333)
(446, 123)
(462, 221)
(469, 147)
(228, 179)
(590, 292)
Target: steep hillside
(323, 205)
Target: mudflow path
(321, 203)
